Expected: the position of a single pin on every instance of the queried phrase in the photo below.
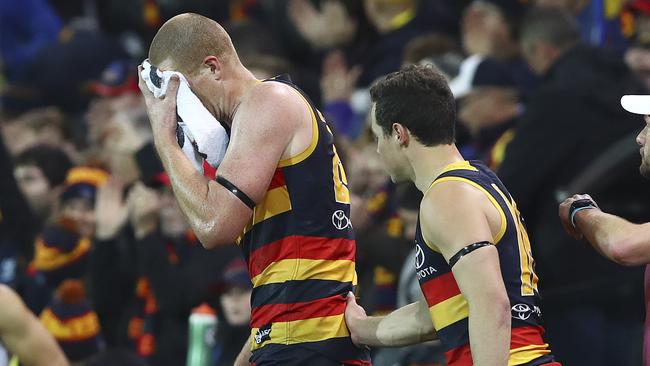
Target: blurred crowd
(93, 240)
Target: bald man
(24, 336)
(280, 193)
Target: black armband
(236, 191)
(468, 249)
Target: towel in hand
(199, 135)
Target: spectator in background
(490, 29)
(568, 122)
(40, 173)
(62, 248)
(71, 320)
(598, 21)
(234, 302)
(149, 273)
(488, 107)
(636, 26)
(16, 219)
(25, 28)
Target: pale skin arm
(454, 215)
(407, 325)
(261, 132)
(244, 354)
(24, 335)
(613, 237)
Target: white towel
(202, 137)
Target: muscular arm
(263, 128)
(615, 238)
(407, 325)
(24, 335)
(454, 215)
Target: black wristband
(468, 249)
(579, 205)
(236, 191)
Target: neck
(236, 89)
(427, 163)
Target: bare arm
(613, 237)
(24, 335)
(261, 132)
(244, 354)
(407, 325)
(454, 215)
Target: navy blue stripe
(330, 352)
(454, 335)
(540, 361)
(291, 292)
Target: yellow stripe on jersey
(306, 269)
(502, 229)
(528, 276)
(459, 165)
(523, 355)
(449, 311)
(275, 202)
(314, 140)
(301, 331)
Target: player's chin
(644, 169)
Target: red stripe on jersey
(526, 336)
(277, 180)
(460, 356)
(304, 247)
(265, 314)
(440, 288)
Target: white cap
(639, 104)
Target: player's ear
(213, 66)
(401, 134)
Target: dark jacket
(179, 276)
(572, 119)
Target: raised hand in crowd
(338, 81)
(144, 210)
(329, 27)
(110, 210)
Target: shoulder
(451, 211)
(278, 104)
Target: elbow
(624, 252)
(211, 235)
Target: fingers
(144, 89)
(172, 88)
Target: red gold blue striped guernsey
(300, 251)
(448, 308)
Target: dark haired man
(473, 257)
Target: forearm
(610, 235)
(405, 326)
(487, 318)
(244, 354)
(191, 189)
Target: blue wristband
(574, 212)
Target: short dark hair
(419, 98)
(554, 25)
(53, 162)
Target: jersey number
(528, 276)
(341, 191)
